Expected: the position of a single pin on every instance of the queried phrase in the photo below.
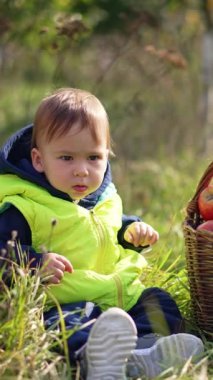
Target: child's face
(74, 163)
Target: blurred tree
(137, 55)
(26, 21)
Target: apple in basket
(208, 226)
(205, 203)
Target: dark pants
(154, 312)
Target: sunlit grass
(25, 347)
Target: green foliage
(140, 58)
(26, 19)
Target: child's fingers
(53, 279)
(54, 266)
(135, 233)
(52, 260)
(154, 238)
(67, 264)
(52, 275)
(58, 273)
(128, 236)
(144, 235)
(150, 237)
(141, 234)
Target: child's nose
(80, 171)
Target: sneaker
(111, 341)
(171, 351)
(147, 340)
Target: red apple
(208, 226)
(205, 203)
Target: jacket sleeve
(126, 221)
(13, 220)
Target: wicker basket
(199, 259)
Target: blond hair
(66, 107)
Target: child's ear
(37, 160)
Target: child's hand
(140, 234)
(54, 266)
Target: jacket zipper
(102, 241)
(99, 229)
(119, 289)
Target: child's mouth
(80, 188)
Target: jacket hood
(15, 158)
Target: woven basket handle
(204, 181)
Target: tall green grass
(26, 348)
(156, 191)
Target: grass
(25, 347)
(156, 191)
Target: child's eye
(94, 157)
(66, 158)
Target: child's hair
(66, 107)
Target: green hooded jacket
(104, 272)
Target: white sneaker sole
(168, 352)
(111, 341)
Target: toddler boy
(57, 193)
